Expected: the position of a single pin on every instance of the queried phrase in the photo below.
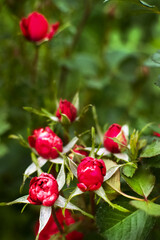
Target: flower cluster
(88, 164)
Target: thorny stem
(56, 221)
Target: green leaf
(113, 177)
(101, 193)
(116, 225)
(70, 145)
(157, 83)
(151, 150)
(146, 4)
(61, 202)
(75, 101)
(129, 170)
(142, 182)
(18, 200)
(45, 213)
(61, 177)
(149, 207)
(134, 144)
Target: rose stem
(92, 194)
(35, 63)
(56, 221)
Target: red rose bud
(156, 134)
(68, 109)
(90, 172)
(115, 131)
(43, 190)
(75, 236)
(45, 141)
(51, 227)
(78, 149)
(36, 28)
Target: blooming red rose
(43, 190)
(78, 149)
(68, 109)
(115, 131)
(45, 141)
(90, 172)
(36, 28)
(51, 227)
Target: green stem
(35, 65)
(124, 194)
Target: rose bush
(36, 28)
(68, 109)
(43, 190)
(115, 131)
(90, 172)
(45, 141)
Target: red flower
(77, 149)
(90, 172)
(68, 109)
(45, 141)
(115, 131)
(43, 190)
(156, 134)
(36, 28)
(74, 236)
(51, 227)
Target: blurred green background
(101, 50)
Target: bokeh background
(103, 50)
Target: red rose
(90, 172)
(156, 134)
(45, 141)
(51, 227)
(77, 149)
(43, 190)
(36, 28)
(68, 109)
(74, 236)
(115, 131)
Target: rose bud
(74, 235)
(156, 134)
(90, 172)
(43, 190)
(51, 227)
(78, 149)
(115, 131)
(45, 141)
(36, 28)
(68, 109)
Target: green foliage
(149, 207)
(151, 150)
(142, 182)
(121, 226)
(102, 50)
